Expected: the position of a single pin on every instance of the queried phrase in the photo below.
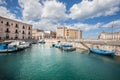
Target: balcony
(23, 27)
(7, 31)
(16, 31)
(29, 28)
(7, 24)
(16, 26)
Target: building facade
(109, 36)
(38, 34)
(67, 33)
(11, 29)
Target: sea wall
(85, 44)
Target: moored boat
(102, 52)
(6, 48)
(42, 42)
(68, 48)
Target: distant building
(109, 36)
(37, 34)
(41, 34)
(11, 29)
(67, 33)
(53, 34)
(50, 34)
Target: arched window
(7, 30)
(23, 27)
(16, 31)
(23, 37)
(7, 24)
(29, 28)
(29, 33)
(7, 36)
(16, 25)
(23, 32)
(2, 22)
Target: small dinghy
(5, 48)
(102, 52)
(42, 42)
(68, 48)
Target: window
(7, 36)
(7, 24)
(7, 30)
(16, 25)
(23, 32)
(29, 33)
(2, 22)
(16, 31)
(29, 28)
(23, 27)
(23, 37)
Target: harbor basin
(43, 62)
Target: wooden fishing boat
(42, 42)
(5, 48)
(102, 52)
(68, 48)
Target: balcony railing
(7, 31)
(16, 32)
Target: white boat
(20, 44)
(68, 48)
(6, 48)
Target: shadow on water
(111, 59)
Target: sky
(90, 16)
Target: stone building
(38, 34)
(67, 33)
(109, 36)
(12, 29)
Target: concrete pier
(85, 44)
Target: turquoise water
(40, 62)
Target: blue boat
(68, 48)
(42, 42)
(102, 52)
(60, 45)
(4, 48)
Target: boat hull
(68, 48)
(8, 50)
(102, 52)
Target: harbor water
(42, 62)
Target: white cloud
(43, 14)
(32, 9)
(54, 10)
(95, 8)
(83, 27)
(45, 25)
(115, 24)
(6, 13)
